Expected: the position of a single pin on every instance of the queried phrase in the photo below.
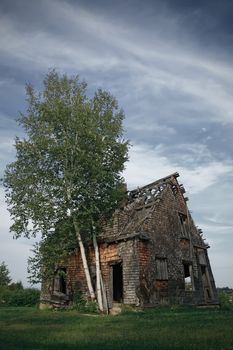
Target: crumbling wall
(110, 253)
(167, 241)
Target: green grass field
(162, 328)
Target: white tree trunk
(104, 294)
(84, 260)
(98, 273)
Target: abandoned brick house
(150, 253)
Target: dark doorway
(117, 276)
(63, 281)
(59, 284)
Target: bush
(224, 301)
(82, 305)
(78, 298)
(15, 285)
(19, 297)
(3, 295)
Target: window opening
(184, 225)
(188, 278)
(202, 257)
(206, 284)
(161, 269)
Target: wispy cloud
(141, 126)
(149, 163)
(95, 42)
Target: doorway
(59, 283)
(117, 282)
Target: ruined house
(151, 253)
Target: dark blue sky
(169, 63)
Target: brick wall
(125, 252)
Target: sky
(168, 63)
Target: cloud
(177, 92)
(149, 163)
(205, 176)
(5, 216)
(213, 208)
(14, 252)
(217, 229)
(8, 130)
(93, 42)
(146, 126)
(221, 267)
(6, 148)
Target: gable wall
(164, 229)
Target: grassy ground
(163, 328)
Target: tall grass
(162, 328)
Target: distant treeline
(225, 290)
(15, 294)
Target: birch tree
(68, 166)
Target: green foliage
(90, 307)
(48, 252)
(78, 297)
(19, 297)
(82, 305)
(4, 275)
(15, 286)
(68, 167)
(129, 310)
(225, 301)
(225, 290)
(71, 159)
